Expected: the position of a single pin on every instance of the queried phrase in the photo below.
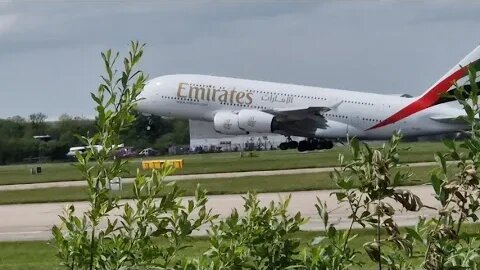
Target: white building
(204, 136)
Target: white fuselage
(200, 97)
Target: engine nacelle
(256, 121)
(227, 123)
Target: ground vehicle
(125, 152)
(148, 152)
(81, 149)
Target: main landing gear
(306, 145)
(289, 144)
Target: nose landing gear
(306, 145)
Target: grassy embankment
(214, 163)
(40, 255)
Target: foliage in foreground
(261, 239)
(112, 234)
(447, 245)
(440, 241)
(148, 233)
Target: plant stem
(379, 200)
(92, 241)
(351, 223)
(378, 237)
(429, 240)
(461, 219)
(94, 218)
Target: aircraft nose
(144, 99)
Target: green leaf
(440, 158)
(355, 147)
(190, 206)
(332, 232)
(450, 144)
(436, 183)
(472, 76)
(470, 113)
(414, 234)
(317, 240)
(340, 195)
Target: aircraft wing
(302, 121)
(295, 114)
(300, 113)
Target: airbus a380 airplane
(237, 106)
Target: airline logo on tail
(433, 95)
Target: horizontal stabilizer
(448, 119)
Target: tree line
(17, 142)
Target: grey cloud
(49, 62)
(100, 22)
(448, 12)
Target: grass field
(40, 255)
(274, 183)
(218, 162)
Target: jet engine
(227, 123)
(256, 121)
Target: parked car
(125, 152)
(148, 152)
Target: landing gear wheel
(292, 144)
(324, 145)
(328, 145)
(283, 146)
(312, 145)
(289, 144)
(302, 146)
(321, 145)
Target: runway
(194, 177)
(34, 221)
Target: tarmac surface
(33, 221)
(193, 177)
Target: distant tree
(12, 129)
(17, 119)
(146, 131)
(37, 118)
(181, 133)
(64, 117)
(37, 121)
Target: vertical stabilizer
(458, 73)
(434, 94)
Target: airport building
(203, 137)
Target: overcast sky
(50, 50)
